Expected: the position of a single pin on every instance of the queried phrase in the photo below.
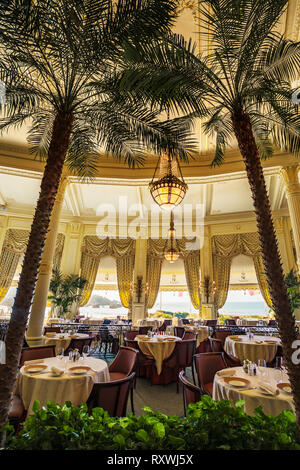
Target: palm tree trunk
(271, 257)
(60, 139)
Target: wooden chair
(189, 335)
(51, 329)
(230, 322)
(207, 364)
(204, 346)
(181, 357)
(123, 365)
(111, 396)
(222, 335)
(78, 343)
(179, 331)
(143, 330)
(38, 352)
(191, 393)
(217, 346)
(211, 322)
(16, 412)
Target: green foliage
(65, 291)
(209, 425)
(293, 288)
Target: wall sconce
(209, 288)
(139, 288)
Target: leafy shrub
(209, 425)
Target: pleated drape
(122, 249)
(224, 248)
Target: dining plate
(236, 381)
(235, 338)
(285, 387)
(79, 370)
(35, 368)
(270, 341)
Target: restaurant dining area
(149, 227)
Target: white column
(290, 176)
(36, 320)
(138, 310)
(279, 228)
(70, 262)
(206, 270)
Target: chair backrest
(230, 322)
(78, 343)
(106, 322)
(179, 331)
(39, 352)
(143, 330)
(125, 360)
(272, 323)
(51, 329)
(216, 345)
(130, 335)
(207, 364)
(131, 344)
(191, 393)
(185, 321)
(211, 322)
(189, 335)
(111, 396)
(204, 346)
(185, 352)
(222, 335)
(166, 323)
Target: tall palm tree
(57, 60)
(242, 89)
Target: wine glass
(278, 368)
(261, 363)
(85, 351)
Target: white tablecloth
(249, 349)
(159, 350)
(61, 341)
(272, 405)
(68, 387)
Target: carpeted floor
(162, 398)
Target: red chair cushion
(116, 376)
(209, 388)
(16, 409)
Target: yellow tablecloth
(202, 332)
(61, 341)
(68, 387)
(249, 349)
(159, 350)
(272, 405)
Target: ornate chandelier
(169, 190)
(171, 252)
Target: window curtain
(93, 249)
(13, 247)
(224, 248)
(155, 257)
(191, 260)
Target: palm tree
(242, 89)
(58, 61)
(65, 291)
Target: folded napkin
(57, 372)
(34, 361)
(226, 373)
(267, 387)
(74, 336)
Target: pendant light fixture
(168, 191)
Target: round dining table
(259, 347)
(45, 386)
(61, 340)
(202, 332)
(158, 346)
(262, 389)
